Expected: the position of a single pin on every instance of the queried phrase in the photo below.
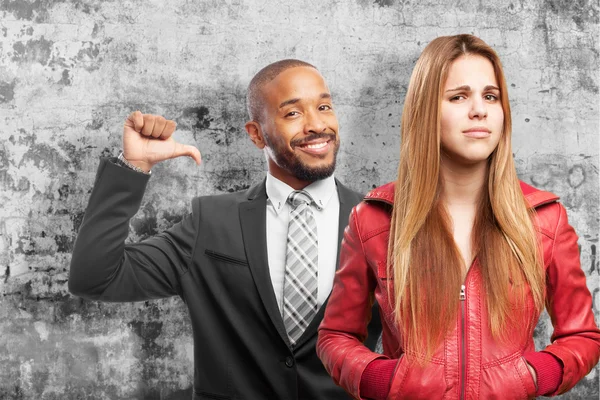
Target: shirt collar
(321, 191)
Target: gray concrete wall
(71, 71)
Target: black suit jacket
(215, 259)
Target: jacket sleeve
(576, 338)
(103, 267)
(344, 327)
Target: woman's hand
(533, 374)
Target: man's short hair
(254, 97)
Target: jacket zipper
(463, 367)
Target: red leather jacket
(470, 364)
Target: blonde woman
(461, 256)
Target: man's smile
(319, 146)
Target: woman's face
(471, 113)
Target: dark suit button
(289, 361)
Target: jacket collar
(257, 191)
(534, 197)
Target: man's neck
(288, 179)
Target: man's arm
(102, 266)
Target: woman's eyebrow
(467, 88)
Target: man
(254, 268)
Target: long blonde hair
(422, 255)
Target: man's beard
(288, 161)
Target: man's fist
(147, 141)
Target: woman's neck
(461, 192)
(462, 184)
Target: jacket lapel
(348, 199)
(253, 219)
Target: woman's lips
(477, 133)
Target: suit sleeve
(103, 267)
(344, 327)
(576, 338)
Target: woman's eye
(457, 97)
(491, 97)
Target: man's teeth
(316, 146)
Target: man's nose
(314, 122)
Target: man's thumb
(189, 151)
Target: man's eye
(325, 107)
(291, 114)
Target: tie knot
(299, 197)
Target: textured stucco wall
(71, 70)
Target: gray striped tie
(300, 284)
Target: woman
(460, 255)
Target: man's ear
(255, 133)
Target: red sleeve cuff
(549, 371)
(376, 379)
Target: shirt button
(289, 361)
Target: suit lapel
(348, 199)
(253, 219)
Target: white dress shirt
(325, 194)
